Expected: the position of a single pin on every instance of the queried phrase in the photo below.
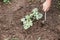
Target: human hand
(46, 6)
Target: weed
(6, 1)
(28, 19)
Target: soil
(10, 24)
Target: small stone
(45, 29)
(0, 5)
(6, 39)
(39, 38)
(48, 30)
(59, 15)
(4, 25)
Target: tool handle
(45, 16)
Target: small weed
(28, 19)
(14, 39)
(6, 1)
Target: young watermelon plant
(6, 1)
(29, 19)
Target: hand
(46, 6)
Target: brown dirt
(10, 25)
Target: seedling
(29, 19)
(27, 22)
(6, 1)
(14, 39)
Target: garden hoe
(44, 21)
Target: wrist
(48, 1)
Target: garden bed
(10, 24)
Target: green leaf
(28, 20)
(27, 17)
(27, 24)
(35, 13)
(39, 16)
(6, 1)
(31, 15)
(26, 27)
(23, 19)
(35, 10)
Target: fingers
(46, 6)
(45, 9)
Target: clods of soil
(10, 24)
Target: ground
(10, 24)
